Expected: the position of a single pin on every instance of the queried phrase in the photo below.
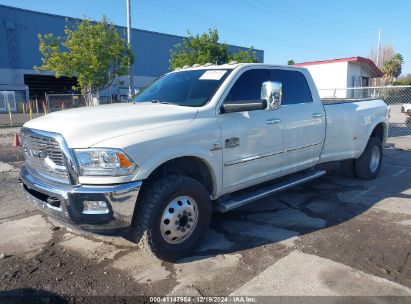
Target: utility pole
(130, 70)
(378, 54)
(378, 47)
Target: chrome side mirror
(272, 92)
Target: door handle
(273, 121)
(317, 115)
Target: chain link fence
(57, 102)
(399, 100)
(37, 107)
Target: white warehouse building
(333, 77)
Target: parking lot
(332, 236)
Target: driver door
(253, 140)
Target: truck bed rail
(330, 101)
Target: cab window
(248, 85)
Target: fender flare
(371, 130)
(210, 159)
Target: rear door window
(295, 87)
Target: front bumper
(65, 202)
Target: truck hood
(87, 126)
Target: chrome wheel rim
(375, 159)
(179, 220)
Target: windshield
(186, 88)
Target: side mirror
(243, 105)
(272, 92)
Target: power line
(285, 16)
(239, 30)
(325, 19)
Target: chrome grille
(43, 155)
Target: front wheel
(368, 165)
(171, 217)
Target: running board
(243, 199)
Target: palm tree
(398, 62)
(392, 68)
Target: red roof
(365, 61)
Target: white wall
(329, 76)
(353, 73)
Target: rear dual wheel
(368, 165)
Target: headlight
(104, 162)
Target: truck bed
(348, 126)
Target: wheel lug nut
(190, 219)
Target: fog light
(95, 207)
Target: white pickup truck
(196, 140)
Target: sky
(301, 30)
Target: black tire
(149, 212)
(348, 168)
(363, 166)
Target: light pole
(130, 70)
(378, 48)
(378, 63)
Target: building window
(365, 81)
